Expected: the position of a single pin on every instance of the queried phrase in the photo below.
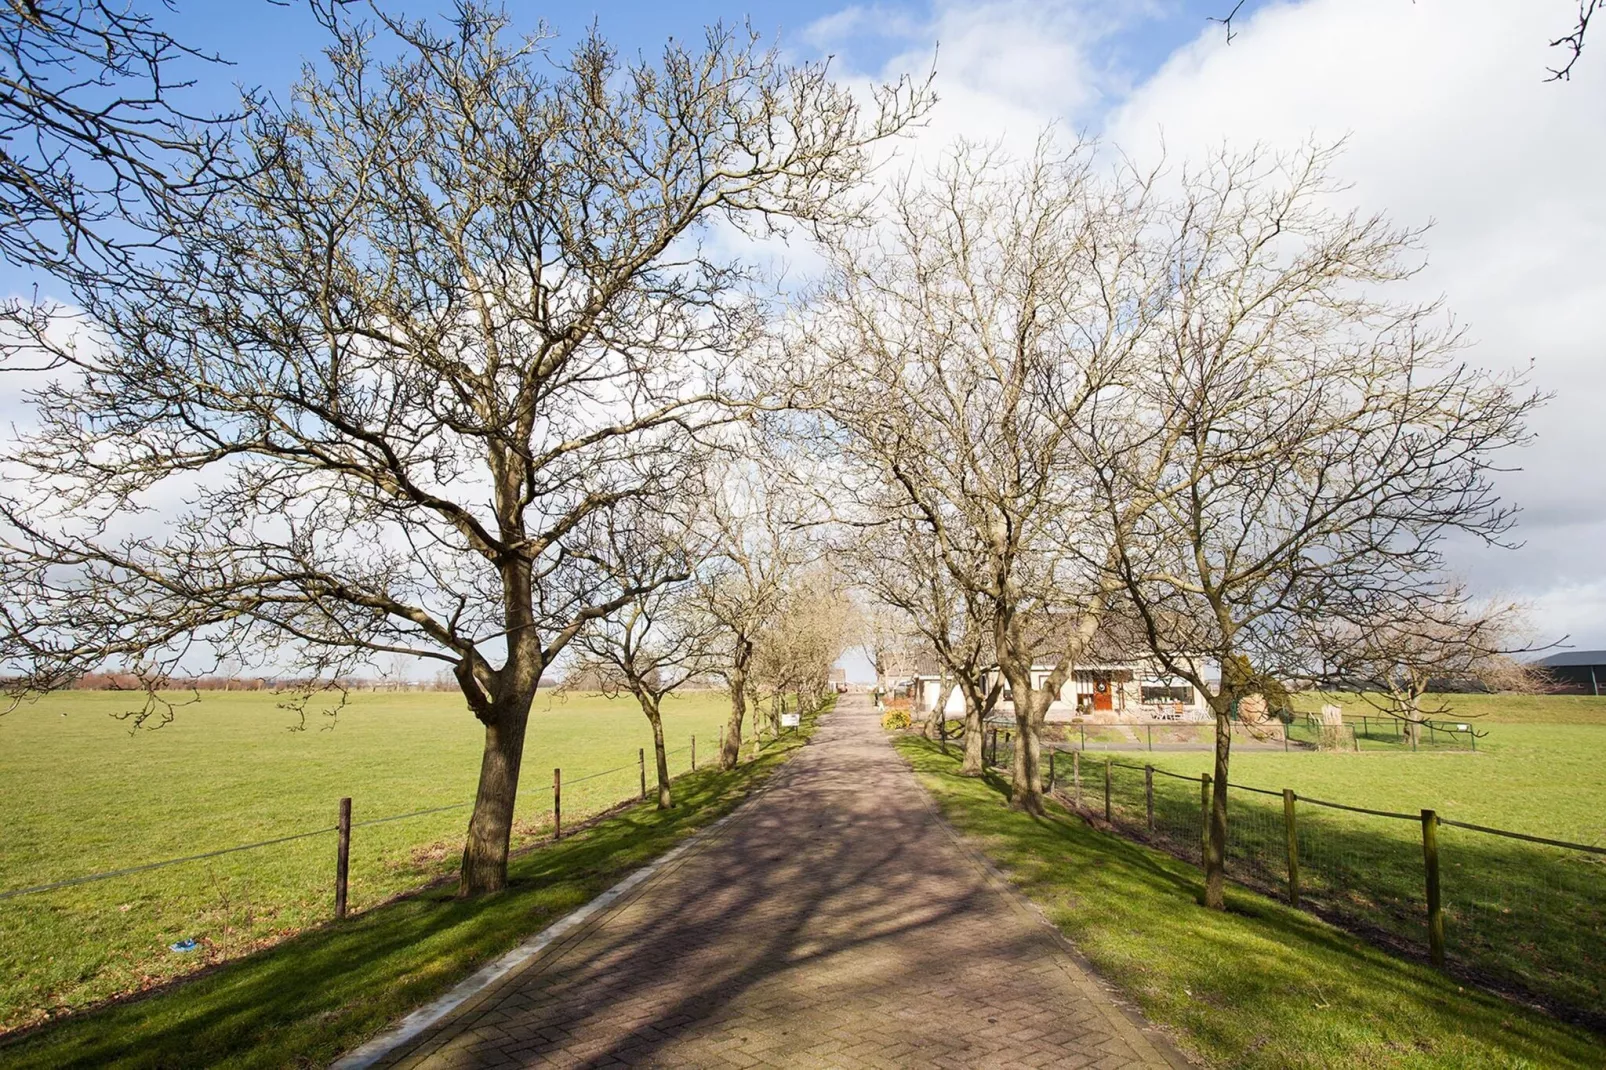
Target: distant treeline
(119, 681)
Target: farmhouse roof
(1573, 657)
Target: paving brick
(832, 923)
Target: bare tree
(961, 343)
(758, 547)
(794, 651)
(884, 636)
(1293, 446)
(457, 312)
(663, 637)
(897, 562)
(97, 150)
(1411, 653)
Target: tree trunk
(938, 715)
(649, 706)
(731, 748)
(1026, 780)
(1026, 772)
(1215, 861)
(971, 764)
(491, 826)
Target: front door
(1103, 699)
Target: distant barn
(1578, 671)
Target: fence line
(148, 866)
(1530, 920)
(70, 881)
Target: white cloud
(1449, 119)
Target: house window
(1182, 693)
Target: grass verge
(316, 995)
(1259, 986)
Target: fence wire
(1523, 913)
(108, 932)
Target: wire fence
(1519, 913)
(1303, 733)
(96, 934)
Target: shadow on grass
(1525, 918)
(316, 995)
(1261, 985)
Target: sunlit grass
(79, 794)
(1260, 986)
(318, 994)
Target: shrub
(893, 720)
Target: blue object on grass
(183, 945)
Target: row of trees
(450, 358)
(1182, 409)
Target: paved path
(834, 922)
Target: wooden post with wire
(1204, 813)
(641, 759)
(1148, 795)
(1430, 860)
(1293, 846)
(557, 804)
(342, 858)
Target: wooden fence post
(1076, 775)
(1430, 859)
(1051, 777)
(1204, 813)
(1293, 846)
(342, 859)
(641, 759)
(1148, 795)
(557, 804)
(1108, 816)
(694, 754)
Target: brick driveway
(833, 922)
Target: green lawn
(1261, 985)
(1486, 710)
(322, 992)
(1519, 915)
(79, 794)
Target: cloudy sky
(1449, 120)
(1444, 103)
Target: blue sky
(265, 43)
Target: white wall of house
(1137, 691)
(926, 696)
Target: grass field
(1258, 986)
(79, 794)
(326, 990)
(1517, 914)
